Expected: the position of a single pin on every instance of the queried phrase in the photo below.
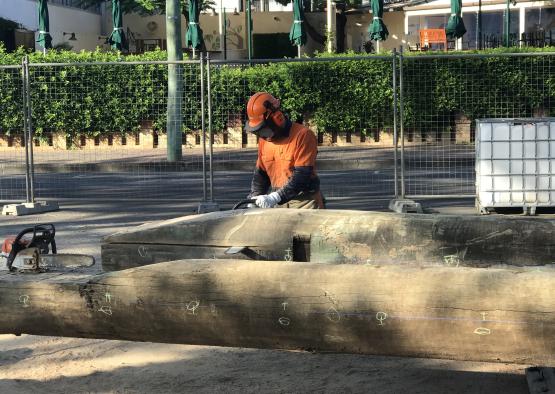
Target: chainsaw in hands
(30, 251)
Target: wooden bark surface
(442, 312)
(339, 237)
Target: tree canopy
(320, 5)
(149, 7)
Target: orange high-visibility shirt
(278, 158)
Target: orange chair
(432, 36)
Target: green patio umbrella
(297, 35)
(117, 38)
(45, 39)
(194, 38)
(377, 29)
(455, 26)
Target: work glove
(268, 200)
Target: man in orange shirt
(286, 158)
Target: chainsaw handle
(243, 202)
(41, 241)
(48, 233)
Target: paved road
(228, 185)
(128, 156)
(144, 174)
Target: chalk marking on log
(333, 315)
(482, 331)
(213, 309)
(334, 338)
(484, 316)
(451, 260)
(288, 255)
(284, 304)
(399, 317)
(108, 297)
(284, 321)
(142, 250)
(381, 317)
(488, 237)
(330, 297)
(407, 317)
(24, 299)
(235, 229)
(192, 306)
(106, 309)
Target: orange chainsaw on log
(34, 249)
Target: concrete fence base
(148, 138)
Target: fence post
(25, 120)
(30, 128)
(402, 122)
(395, 136)
(203, 126)
(206, 206)
(28, 134)
(210, 132)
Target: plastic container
(515, 163)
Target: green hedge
(339, 95)
(436, 90)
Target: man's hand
(268, 200)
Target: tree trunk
(338, 237)
(477, 314)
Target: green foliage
(344, 93)
(83, 99)
(320, 5)
(497, 86)
(149, 7)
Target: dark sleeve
(260, 183)
(300, 181)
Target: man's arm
(300, 181)
(260, 183)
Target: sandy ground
(32, 364)
(66, 365)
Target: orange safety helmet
(262, 107)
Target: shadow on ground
(212, 369)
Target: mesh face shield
(261, 129)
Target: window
(539, 27)
(539, 19)
(417, 23)
(493, 26)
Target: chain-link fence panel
(347, 102)
(12, 141)
(99, 130)
(443, 95)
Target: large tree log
(337, 237)
(461, 313)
